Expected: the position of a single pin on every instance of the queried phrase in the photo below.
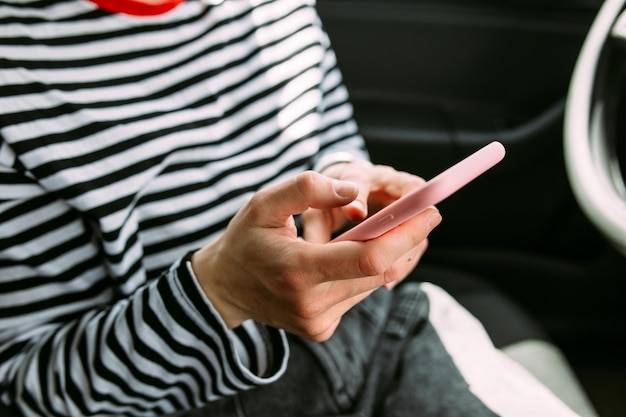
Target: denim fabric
(385, 359)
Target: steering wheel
(596, 100)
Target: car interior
(536, 247)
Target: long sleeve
(339, 134)
(125, 144)
(163, 349)
(73, 343)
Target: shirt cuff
(265, 349)
(339, 157)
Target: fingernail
(433, 221)
(345, 189)
(357, 204)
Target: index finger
(378, 186)
(358, 174)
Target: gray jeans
(385, 359)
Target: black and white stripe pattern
(125, 143)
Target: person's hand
(260, 269)
(379, 186)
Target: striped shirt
(126, 143)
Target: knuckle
(388, 170)
(316, 330)
(306, 311)
(305, 182)
(311, 321)
(393, 274)
(257, 203)
(292, 286)
(372, 263)
(324, 335)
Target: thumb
(307, 190)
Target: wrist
(204, 265)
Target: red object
(137, 7)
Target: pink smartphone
(428, 194)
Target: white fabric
(502, 384)
(548, 364)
